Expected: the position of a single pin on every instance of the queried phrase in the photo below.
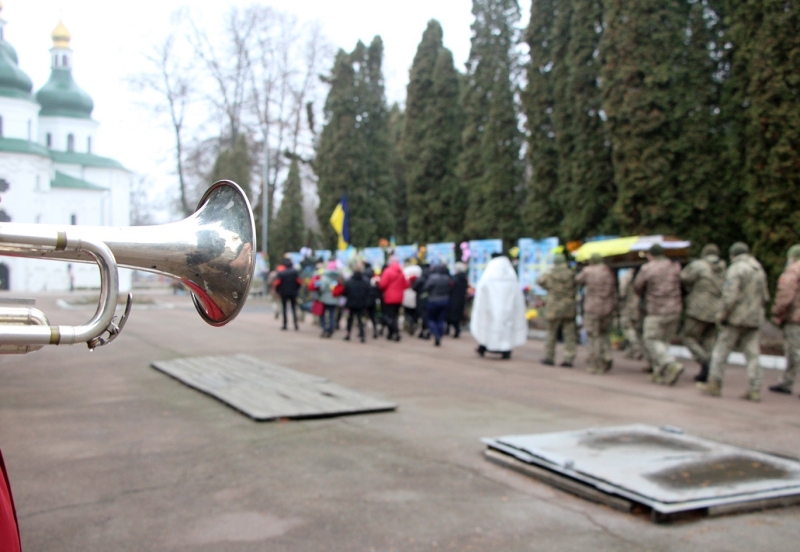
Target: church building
(49, 171)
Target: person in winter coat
(599, 303)
(744, 298)
(659, 281)
(374, 298)
(422, 301)
(287, 285)
(437, 287)
(458, 298)
(560, 310)
(393, 283)
(702, 280)
(411, 314)
(327, 284)
(498, 321)
(357, 292)
(786, 313)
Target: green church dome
(14, 82)
(62, 97)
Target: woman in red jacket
(393, 283)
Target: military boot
(752, 395)
(672, 372)
(781, 388)
(712, 388)
(547, 362)
(702, 375)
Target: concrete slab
(106, 454)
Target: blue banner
(535, 258)
(405, 252)
(345, 256)
(441, 254)
(480, 253)
(374, 256)
(295, 257)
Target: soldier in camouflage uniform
(559, 310)
(744, 296)
(599, 303)
(660, 284)
(702, 280)
(630, 316)
(786, 312)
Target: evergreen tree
(431, 137)
(234, 164)
(543, 211)
(396, 123)
(771, 175)
(586, 178)
(658, 94)
(489, 165)
(355, 150)
(288, 229)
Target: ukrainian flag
(341, 223)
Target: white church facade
(49, 171)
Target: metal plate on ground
(661, 468)
(266, 391)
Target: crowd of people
(714, 308)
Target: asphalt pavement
(107, 454)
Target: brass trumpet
(212, 252)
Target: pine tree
(288, 232)
(431, 138)
(355, 150)
(771, 175)
(489, 165)
(234, 164)
(586, 178)
(396, 123)
(658, 94)
(543, 213)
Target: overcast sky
(109, 39)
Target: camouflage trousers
(632, 330)
(746, 340)
(791, 335)
(568, 331)
(598, 330)
(699, 338)
(659, 329)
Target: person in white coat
(498, 321)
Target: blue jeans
(328, 318)
(436, 315)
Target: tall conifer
(431, 142)
(489, 165)
(288, 232)
(396, 123)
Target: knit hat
(656, 250)
(596, 258)
(709, 249)
(794, 252)
(738, 248)
(559, 259)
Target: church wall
(20, 118)
(60, 128)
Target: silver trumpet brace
(212, 252)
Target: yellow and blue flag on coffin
(341, 223)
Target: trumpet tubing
(212, 252)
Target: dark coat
(358, 291)
(288, 282)
(458, 298)
(419, 287)
(438, 285)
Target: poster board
(374, 256)
(535, 258)
(480, 255)
(441, 253)
(405, 252)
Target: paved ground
(107, 454)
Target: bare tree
(170, 79)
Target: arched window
(64, 61)
(29, 130)
(70, 142)
(49, 140)
(89, 144)
(73, 219)
(4, 216)
(1, 126)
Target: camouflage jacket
(703, 279)
(787, 299)
(659, 281)
(630, 302)
(560, 286)
(601, 289)
(744, 293)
